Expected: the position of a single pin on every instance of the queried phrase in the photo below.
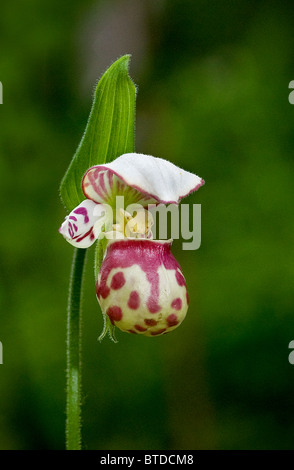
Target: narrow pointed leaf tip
(110, 130)
(148, 180)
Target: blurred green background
(212, 97)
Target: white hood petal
(143, 179)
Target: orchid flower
(140, 285)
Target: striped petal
(141, 179)
(77, 227)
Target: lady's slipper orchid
(140, 285)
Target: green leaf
(110, 130)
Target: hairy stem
(73, 349)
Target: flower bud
(141, 287)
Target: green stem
(73, 349)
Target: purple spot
(140, 328)
(172, 320)
(75, 227)
(134, 300)
(114, 313)
(177, 303)
(102, 291)
(152, 305)
(82, 211)
(118, 281)
(150, 322)
(73, 218)
(158, 332)
(70, 230)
